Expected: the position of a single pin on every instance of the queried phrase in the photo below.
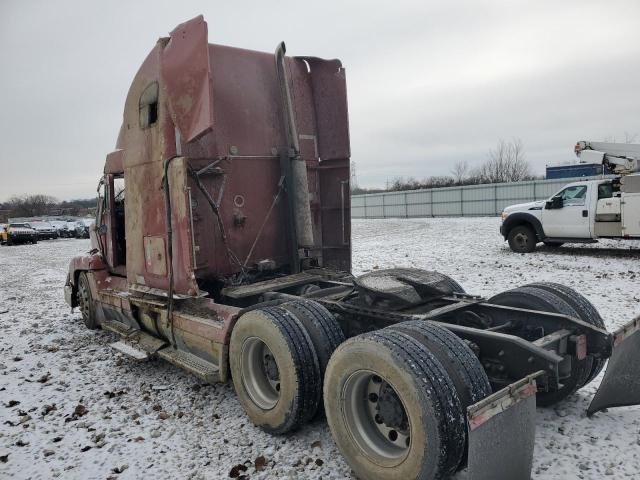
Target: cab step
(207, 371)
(131, 351)
(146, 342)
(117, 327)
(139, 345)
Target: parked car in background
(71, 228)
(82, 227)
(45, 230)
(16, 233)
(60, 227)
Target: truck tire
(463, 367)
(392, 409)
(522, 239)
(85, 302)
(323, 329)
(275, 369)
(585, 310)
(535, 298)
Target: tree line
(505, 163)
(40, 204)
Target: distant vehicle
(60, 227)
(71, 228)
(582, 212)
(82, 227)
(16, 233)
(45, 230)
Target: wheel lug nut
(379, 420)
(373, 397)
(393, 435)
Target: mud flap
(620, 386)
(501, 435)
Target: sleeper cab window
(149, 106)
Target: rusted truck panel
(212, 104)
(223, 245)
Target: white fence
(471, 200)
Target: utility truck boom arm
(621, 158)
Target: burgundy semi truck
(222, 244)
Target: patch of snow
(85, 411)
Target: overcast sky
(429, 83)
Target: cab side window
(605, 190)
(574, 195)
(149, 106)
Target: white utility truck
(583, 211)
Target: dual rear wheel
(395, 399)
(553, 297)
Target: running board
(202, 369)
(117, 327)
(570, 240)
(130, 351)
(620, 386)
(138, 345)
(501, 434)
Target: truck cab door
(102, 219)
(568, 214)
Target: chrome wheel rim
(376, 417)
(260, 373)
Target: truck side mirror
(555, 202)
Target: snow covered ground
(72, 408)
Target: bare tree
(399, 184)
(31, 205)
(506, 163)
(460, 172)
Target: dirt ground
(73, 408)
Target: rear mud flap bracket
(620, 386)
(501, 434)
